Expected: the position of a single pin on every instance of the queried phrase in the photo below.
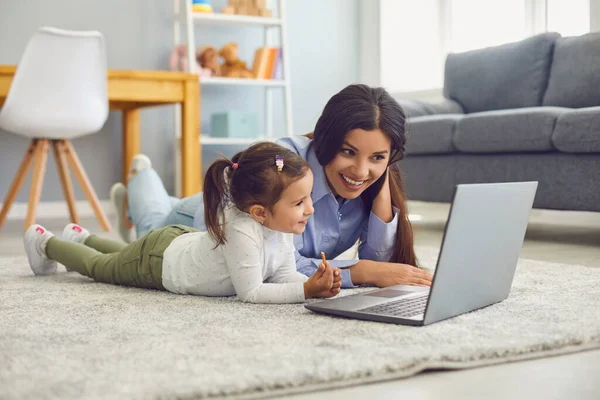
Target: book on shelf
(265, 62)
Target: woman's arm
(382, 203)
(383, 274)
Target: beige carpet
(66, 337)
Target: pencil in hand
(323, 258)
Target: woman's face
(362, 159)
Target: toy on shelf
(202, 6)
(208, 57)
(178, 61)
(232, 66)
(256, 8)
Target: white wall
(323, 40)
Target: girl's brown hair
(367, 108)
(250, 177)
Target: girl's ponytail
(216, 198)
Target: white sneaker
(139, 162)
(118, 194)
(35, 240)
(75, 233)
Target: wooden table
(132, 90)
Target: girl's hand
(337, 280)
(325, 282)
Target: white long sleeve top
(256, 263)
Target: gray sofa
(528, 110)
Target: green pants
(138, 264)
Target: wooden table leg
(191, 163)
(131, 138)
(131, 146)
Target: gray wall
(323, 50)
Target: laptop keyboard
(400, 308)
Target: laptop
(481, 245)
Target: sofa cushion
(512, 75)
(575, 73)
(417, 108)
(578, 131)
(431, 134)
(518, 130)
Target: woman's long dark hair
(367, 108)
(250, 177)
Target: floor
(556, 236)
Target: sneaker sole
(118, 192)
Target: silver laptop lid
(482, 241)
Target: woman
(357, 192)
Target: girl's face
(362, 159)
(290, 214)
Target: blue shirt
(337, 224)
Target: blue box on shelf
(238, 124)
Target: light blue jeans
(151, 207)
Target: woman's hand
(325, 282)
(382, 203)
(385, 274)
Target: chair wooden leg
(37, 181)
(65, 178)
(84, 182)
(17, 182)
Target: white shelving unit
(184, 17)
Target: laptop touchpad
(390, 293)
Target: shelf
(204, 139)
(242, 82)
(228, 19)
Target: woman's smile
(353, 184)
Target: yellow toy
(202, 6)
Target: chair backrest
(59, 90)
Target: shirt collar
(320, 186)
(267, 232)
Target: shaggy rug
(66, 337)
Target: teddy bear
(178, 61)
(208, 58)
(232, 66)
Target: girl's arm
(243, 255)
(308, 266)
(287, 272)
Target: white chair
(59, 92)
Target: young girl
(254, 205)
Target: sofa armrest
(578, 131)
(419, 108)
